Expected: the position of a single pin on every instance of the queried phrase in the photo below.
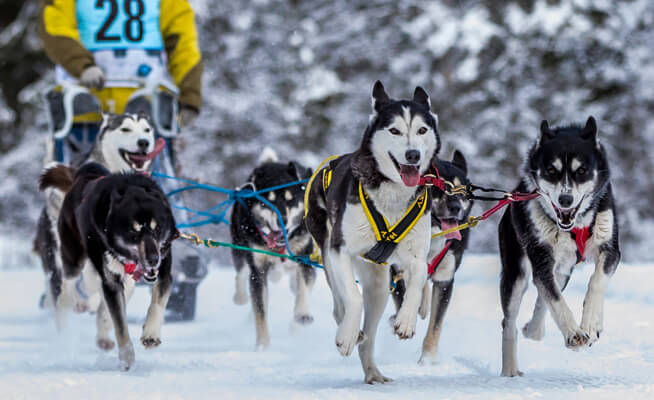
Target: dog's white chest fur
(564, 247)
(359, 236)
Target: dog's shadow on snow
(482, 377)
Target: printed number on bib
(133, 27)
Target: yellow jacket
(61, 40)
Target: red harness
(581, 236)
(130, 269)
(437, 260)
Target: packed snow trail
(214, 357)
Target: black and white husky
(121, 224)
(445, 254)
(254, 224)
(398, 147)
(573, 219)
(123, 145)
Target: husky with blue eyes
(573, 220)
(367, 210)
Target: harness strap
(581, 236)
(313, 177)
(435, 262)
(388, 237)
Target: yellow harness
(387, 236)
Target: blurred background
(297, 75)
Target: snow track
(214, 357)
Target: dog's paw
(511, 372)
(240, 298)
(533, 330)
(405, 324)
(374, 376)
(592, 324)
(593, 331)
(428, 358)
(126, 356)
(575, 339)
(304, 319)
(150, 342)
(105, 344)
(347, 339)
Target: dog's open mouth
(140, 161)
(410, 174)
(275, 241)
(449, 223)
(135, 160)
(150, 275)
(565, 218)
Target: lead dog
(376, 183)
(254, 224)
(573, 219)
(445, 254)
(123, 224)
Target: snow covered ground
(214, 357)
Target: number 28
(133, 25)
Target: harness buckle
(473, 221)
(192, 237)
(429, 179)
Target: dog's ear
(297, 170)
(292, 169)
(545, 131)
(379, 97)
(460, 161)
(590, 130)
(421, 97)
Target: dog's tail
(59, 177)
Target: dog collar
(388, 237)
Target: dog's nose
(565, 200)
(454, 208)
(412, 156)
(143, 144)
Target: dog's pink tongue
(158, 147)
(410, 175)
(445, 225)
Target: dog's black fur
(455, 209)
(536, 231)
(248, 219)
(121, 217)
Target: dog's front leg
(305, 276)
(375, 295)
(151, 336)
(414, 276)
(344, 287)
(592, 320)
(114, 297)
(550, 292)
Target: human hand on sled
(92, 77)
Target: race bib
(119, 24)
